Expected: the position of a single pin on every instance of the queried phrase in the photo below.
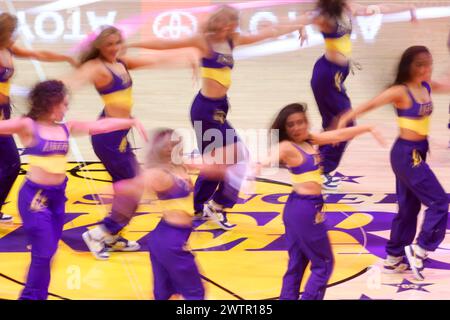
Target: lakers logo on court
(246, 263)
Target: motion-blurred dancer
(42, 195)
(210, 107)
(173, 266)
(9, 156)
(104, 65)
(334, 20)
(303, 216)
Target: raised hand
(303, 36)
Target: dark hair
(93, 51)
(331, 8)
(44, 96)
(8, 24)
(280, 121)
(404, 67)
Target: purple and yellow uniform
(174, 267)
(113, 148)
(308, 171)
(6, 74)
(210, 114)
(218, 66)
(416, 184)
(306, 235)
(9, 156)
(42, 209)
(327, 83)
(339, 39)
(49, 155)
(417, 117)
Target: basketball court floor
(249, 261)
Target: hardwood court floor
(248, 262)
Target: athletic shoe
(218, 216)
(329, 183)
(5, 218)
(119, 243)
(415, 256)
(394, 265)
(96, 246)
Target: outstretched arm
(442, 85)
(278, 153)
(340, 135)
(368, 10)
(42, 55)
(162, 44)
(273, 31)
(105, 125)
(23, 127)
(177, 58)
(395, 95)
(85, 74)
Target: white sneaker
(119, 243)
(394, 265)
(416, 255)
(218, 216)
(329, 183)
(96, 245)
(5, 218)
